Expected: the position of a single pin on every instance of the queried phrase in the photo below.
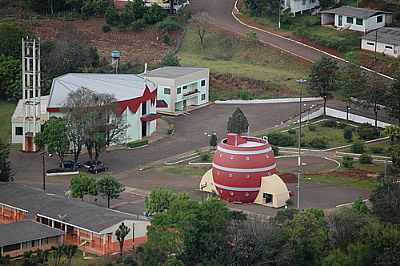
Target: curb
(303, 44)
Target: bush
(205, 157)
(377, 150)
(292, 131)
(341, 125)
(329, 123)
(170, 60)
(318, 143)
(106, 28)
(367, 132)
(245, 95)
(112, 17)
(137, 143)
(347, 162)
(312, 127)
(348, 133)
(137, 25)
(365, 159)
(275, 149)
(166, 39)
(357, 147)
(169, 25)
(154, 14)
(281, 139)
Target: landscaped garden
(324, 134)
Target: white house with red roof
(135, 100)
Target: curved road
(220, 13)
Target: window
(144, 108)
(371, 43)
(304, 2)
(359, 21)
(203, 97)
(45, 241)
(167, 91)
(11, 247)
(178, 90)
(349, 20)
(388, 47)
(184, 87)
(19, 131)
(203, 83)
(379, 19)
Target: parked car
(71, 165)
(94, 169)
(89, 164)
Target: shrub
(365, 159)
(357, 147)
(106, 28)
(329, 123)
(244, 95)
(367, 132)
(112, 17)
(377, 150)
(122, 28)
(137, 143)
(275, 149)
(312, 127)
(318, 143)
(166, 39)
(205, 157)
(154, 14)
(292, 131)
(170, 60)
(169, 25)
(347, 162)
(341, 125)
(137, 25)
(281, 139)
(348, 133)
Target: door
(28, 144)
(340, 22)
(144, 129)
(184, 105)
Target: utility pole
(299, 163)
(43, 172)
(279, 14)
(376, 44)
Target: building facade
(356, 19)
(299, 6)
(384, 40)
(180, 88)
(135, 101)
(92, 228)
(165, 4)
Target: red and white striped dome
(238, 165)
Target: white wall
(381, 48)
(372, 24)
(300, 5)
(368, 24)
(14, 138)
(140, 229)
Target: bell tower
(31, 93)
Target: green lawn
(242, 58)
(367, 184)
(6, 111)
(184, 170)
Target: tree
(70, 251)
(154, 14)
(5, 168)
(10, 41)
(393, 100)
(109, 188)
(238, 123)
(112, 17)
(54, 136)
(121, 233)
(323, 76)
(393, 132)
(386, 200)
(324, 4)
(160, 200)
(10, 78)
(348, 133)
(200, 24)
(170, 59)
(261, 8)
(173, 261)
(133, 11)
(82, 185)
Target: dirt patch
(232, 83)
(288, 178)
(136, 47)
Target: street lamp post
(299, 163)
(43, 171)
(347, 112)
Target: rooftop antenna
(31, 93)
(115, 57)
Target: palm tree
(121, 233)
(70, 251)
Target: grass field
(227, 54)
(184, 170)
(6, 111)
(367, 184)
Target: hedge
(137, 143)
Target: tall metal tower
(31, 93)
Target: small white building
(299, 6)
(179, 88)
(135, 101)
(384, 40)
(356, 19)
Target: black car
(90, 164)
(69, 164)
(94, 169)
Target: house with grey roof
(180, 88)
(356, 19)
(23, 236)
(299, 6)
(384, 40)
(92, 228)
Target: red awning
(161, 104)
(150, 117)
